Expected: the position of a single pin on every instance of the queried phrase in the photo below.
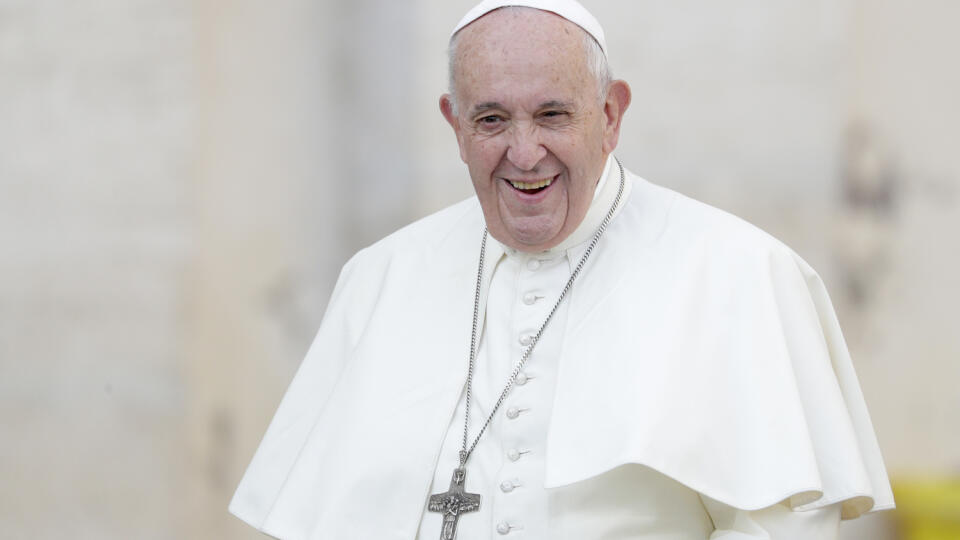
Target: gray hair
(596, 62)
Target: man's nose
(525, 150)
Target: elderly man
(575, 353)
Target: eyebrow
(481, 107)
(555, 104)
(492, 105)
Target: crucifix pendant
(453, 503)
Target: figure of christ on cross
(452, 503)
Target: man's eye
(492, 119)
(552, 114)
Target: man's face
(530, 124)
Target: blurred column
(899, 256)
(905, 82)
(373, 115)
(267, 227)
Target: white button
(513, 454)
(529, 298)
(533, 264)
(521, 379)
(526, 339)
(503, 527)
(513, 412)
(506, 486)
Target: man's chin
(530, 238)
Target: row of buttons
(512, 413)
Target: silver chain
(465, 452)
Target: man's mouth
(531, 187)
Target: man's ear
(618, 99)
(446, 108)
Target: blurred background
(181, 180)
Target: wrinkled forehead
(521, 56)
(522, 32)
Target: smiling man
(535, 119)
(574, 353)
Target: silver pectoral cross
(453, 503)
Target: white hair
(595, 57)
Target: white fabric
(694, 346)
(570, 10)
(631, 502)
(777, 522)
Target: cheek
(484, 155)
(571, 149)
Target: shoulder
(422, 238)
(687, 234)
(432, 229)
(689, 223)
(380, 273)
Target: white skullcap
(570, 10)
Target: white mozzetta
(696, 351)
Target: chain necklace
(456, 501)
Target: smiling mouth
(535, 186)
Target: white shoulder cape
(695, 344)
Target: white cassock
(694, 385)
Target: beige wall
(95, 121)
(181, 180)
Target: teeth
(531, 185)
